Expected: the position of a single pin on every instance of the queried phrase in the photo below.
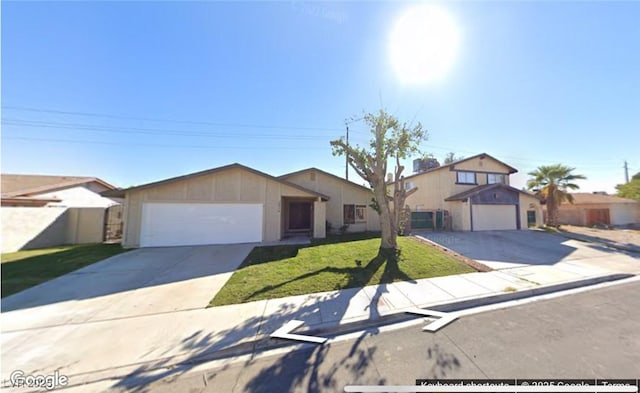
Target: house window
(355, 213)
(408, 185)
(466, 178)
(493, 178)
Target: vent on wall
(312, 176)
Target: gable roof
(485, 187)
(286, 175)
(587, 198)
(452, 165)
(14, 185)
(120, 193)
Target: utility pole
(626, 167)
(346, 163)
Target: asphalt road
(595, 334)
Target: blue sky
(133, 92)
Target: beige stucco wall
(340, 193)
(464, 212)
(571, 215)
(482, 165)
(234, 185)
(529, 202)
(39, 227)
(619, 213)
(86, 225)
(319, 214)
(625, 213)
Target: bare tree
(390, 140)
(451, 157)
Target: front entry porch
(303, 217)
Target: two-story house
(472, 194)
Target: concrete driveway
(512, 249)
(139, 282)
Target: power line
(163, 145)
(240, 125)
(79, 141)
(158, 131)
(142, 130)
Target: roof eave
(121, 193)
(451, 165)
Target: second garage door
(494, 217)
(182, 224)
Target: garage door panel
(178, 224)
(494, 217)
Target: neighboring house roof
(485, 187)
(120, 193)
(27, 201)
(452, 165)
(583, 198)
(324, 173)
(26, 185)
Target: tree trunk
(552, 212)
(552, 205)
(388, 241)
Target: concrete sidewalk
(112, 349)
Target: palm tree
(552, 182)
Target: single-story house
(472, 194)
(599, 208)
(44, 211)
(238, 204)
(349, 203)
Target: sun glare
(423, 44)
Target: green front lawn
(279, 271)
(24, 269)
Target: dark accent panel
(518, 224)
(422, 220)
(496, 196)
(300, 215)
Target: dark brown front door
(299, 216)
(597, 216)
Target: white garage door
(182, 224)
(494, 217)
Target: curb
(601, 241)
(266, 343)
(459, 305)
